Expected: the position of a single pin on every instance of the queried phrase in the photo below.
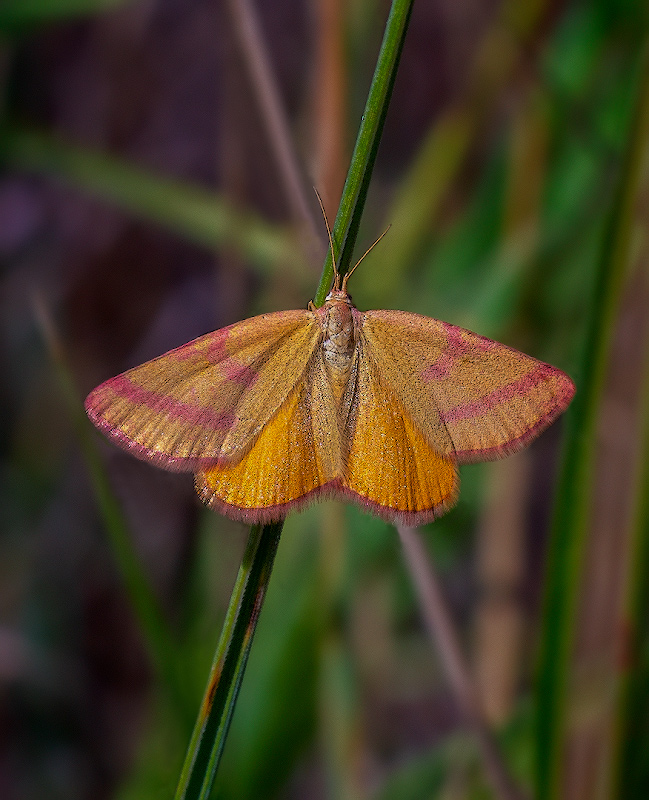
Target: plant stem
(210, 732)
(630, 768)
(352, 203)
(442, 632)
(262, 78)
(572, 512)
(158, 637)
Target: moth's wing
(392, 469)
(471, 397)
(295, 458)
(207, 400)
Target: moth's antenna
(336, 285)
(371, 247)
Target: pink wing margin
(486, 399)
(179, 409)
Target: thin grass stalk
(352, 202)
(571, 519)
(229, 664)
(341, 730)
(631, 767)
(158, 638)
(444, 636)
(262, 77)
(632, 733)
(330, 89)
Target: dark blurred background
(142, 204)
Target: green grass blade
(201, 216)
(269, 734)
(359, 175)
(571, 520)
(160, 642)
(631, 770)
(630, 773)
(20, 13)
(210, 732)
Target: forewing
(207, 400)
(295, 458)
(470, 397)
(392, 469)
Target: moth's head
(340, 295)
(339, 285)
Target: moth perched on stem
(378, 407)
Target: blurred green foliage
(20, 14)
(459, 251)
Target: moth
(376, 407)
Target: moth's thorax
(339, 340)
